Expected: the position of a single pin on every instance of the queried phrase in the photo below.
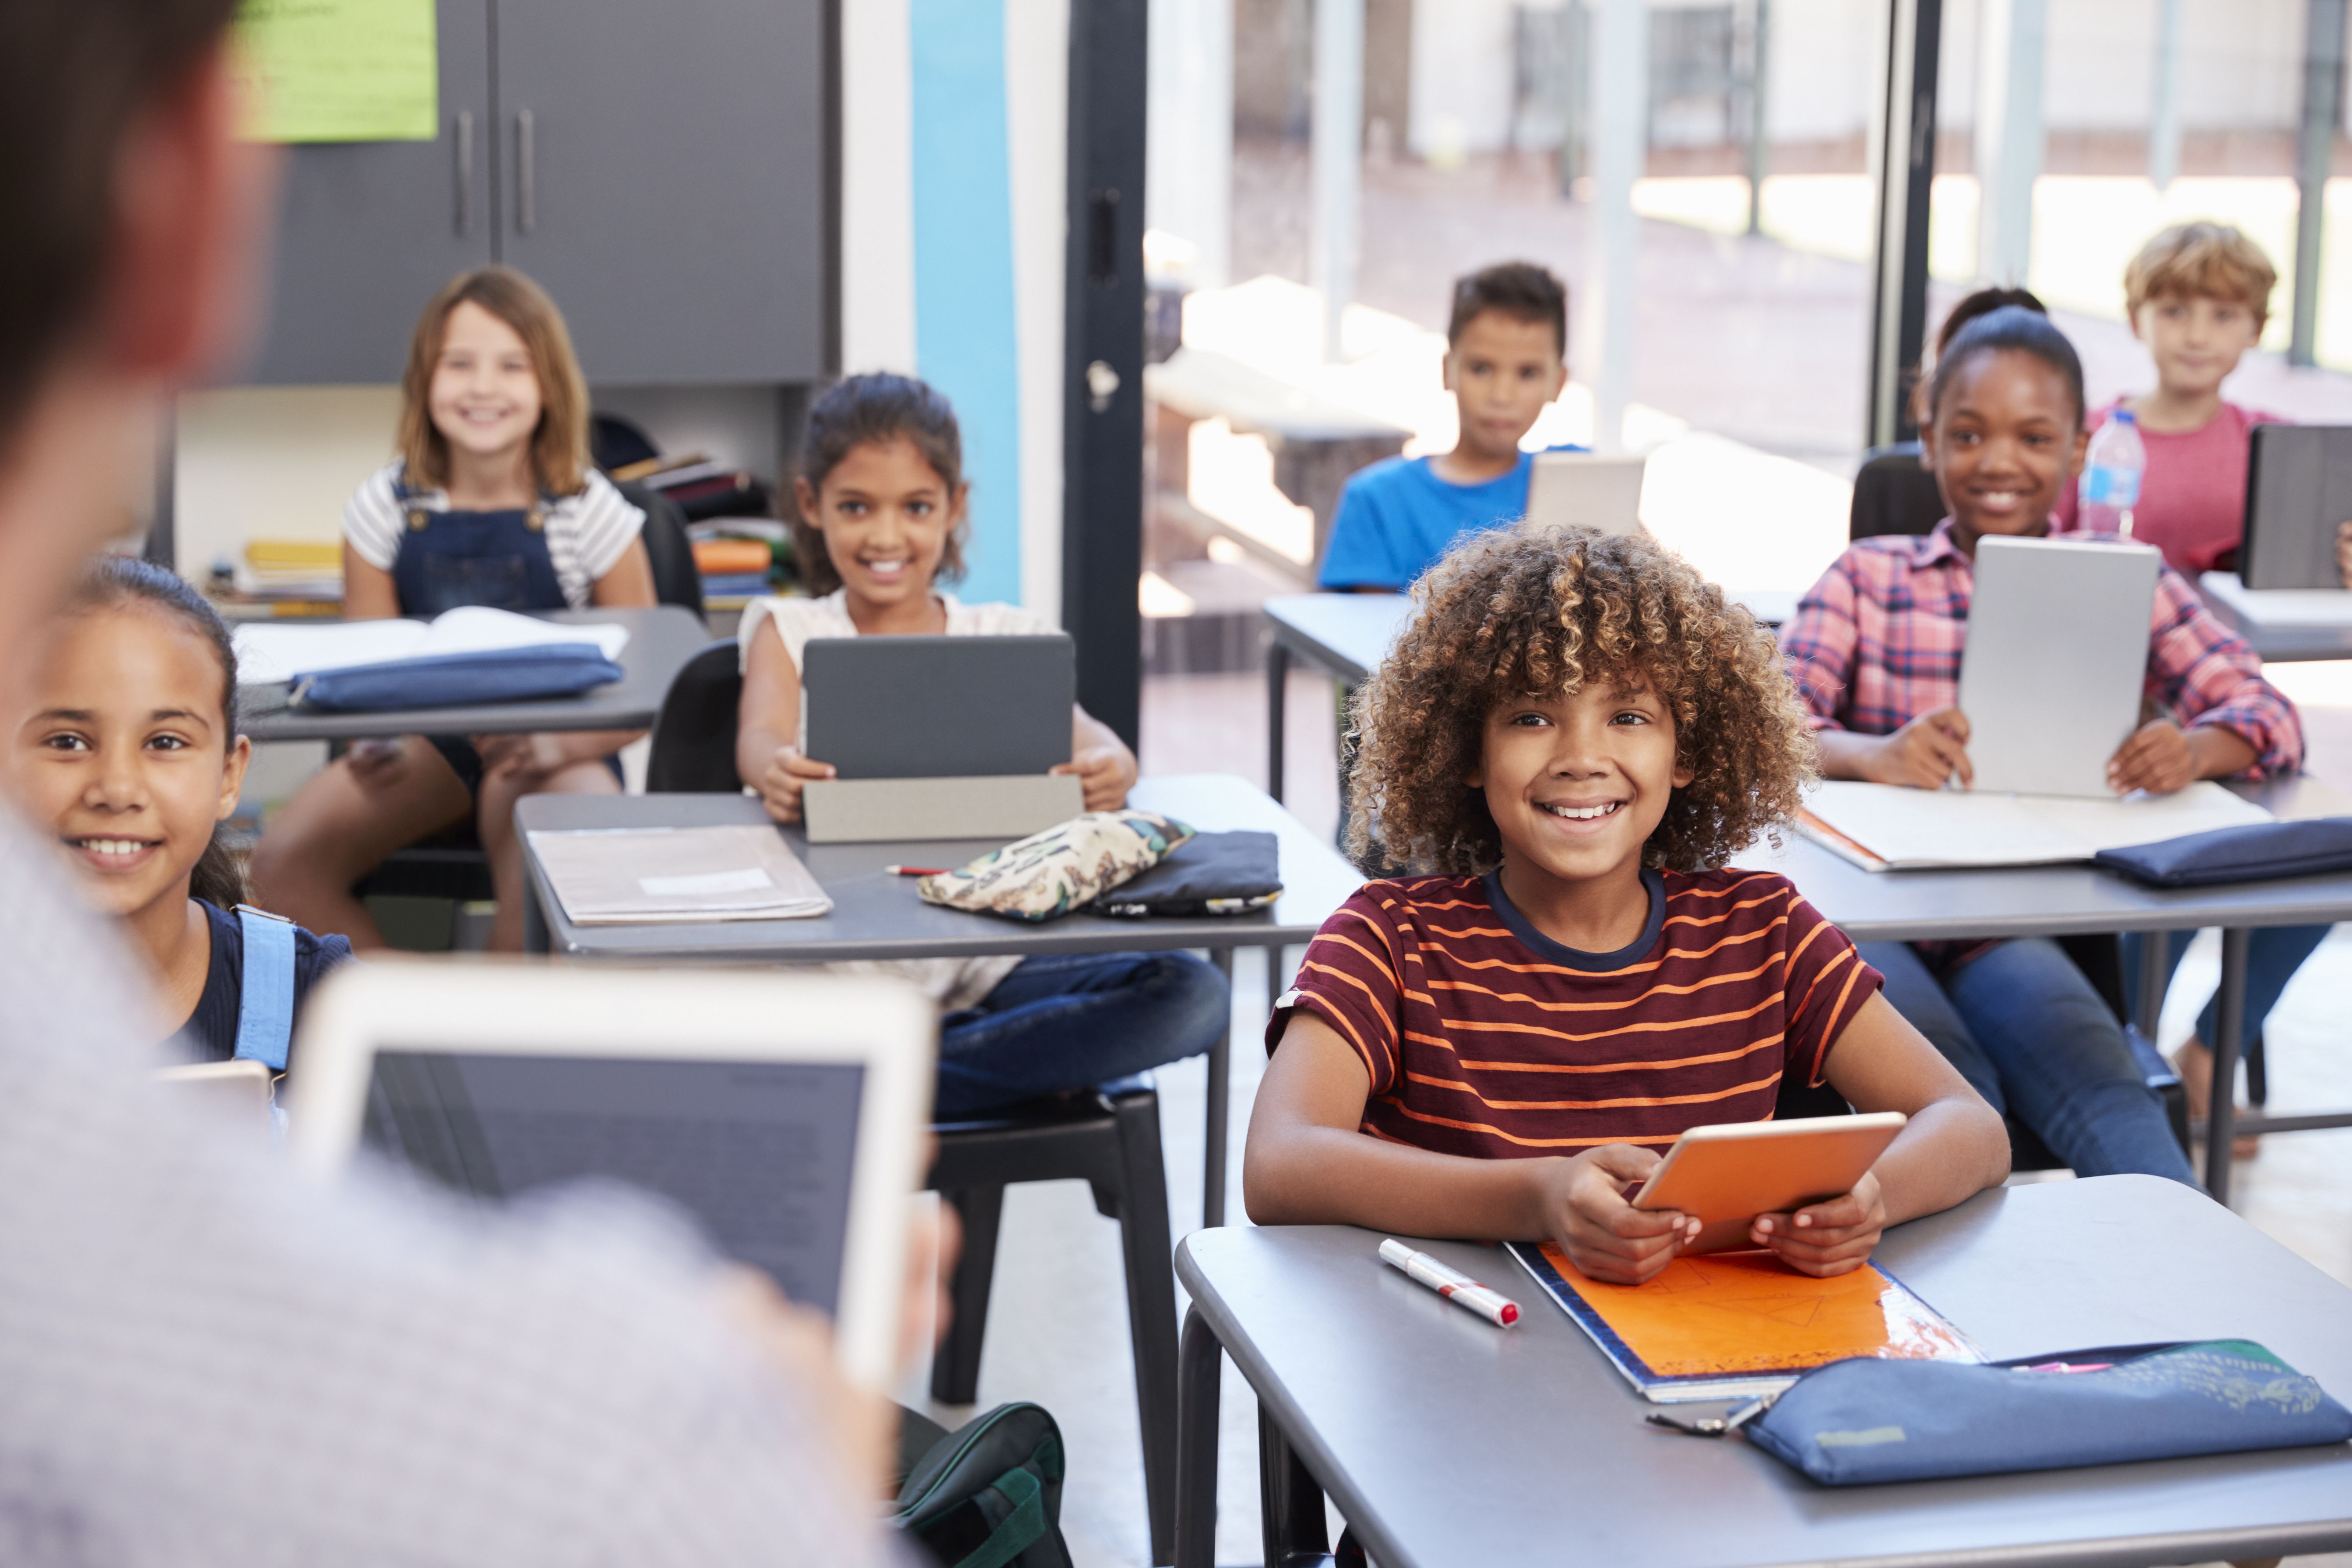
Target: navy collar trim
(1551, 952)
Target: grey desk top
(661, 640)
(2054, 901)
(1446, 1440)
(875, 915)
(2281, 643)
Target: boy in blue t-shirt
(1506, 357)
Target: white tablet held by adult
(1588, 490)
(2056, 660)
(785, 1114)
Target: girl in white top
(881, 520)
(491, 502)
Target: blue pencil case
(1854, 1423)
(457, 679)
(2257, 852)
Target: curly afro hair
(1515, 612)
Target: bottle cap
(2125, 416)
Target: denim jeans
(2272, 955)
(1069, 1021)
(2030, 1034)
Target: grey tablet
(2056, 658)
(938, 706)
(2298, 487)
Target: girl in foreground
(129, 749)
(1571, 737)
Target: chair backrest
(694, 735)
(1893, 494)
(675, 580)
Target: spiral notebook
(1740, 1325)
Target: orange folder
(1743, 1315)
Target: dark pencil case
(1209, 874)
(1854, 1423)
(457, 679)
(2260, 852)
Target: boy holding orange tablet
(1571, 739)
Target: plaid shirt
(1877, 642)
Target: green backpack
(987, 1495)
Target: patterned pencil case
(1854, 1422)
(1055, 871)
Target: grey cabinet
(668, 170)
(368, 230)
(661, 169)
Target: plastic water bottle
(2111, 475)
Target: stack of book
(298, 574)
(702, 487)
(738, 556)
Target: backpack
(989, 1494)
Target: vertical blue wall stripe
(965, 340)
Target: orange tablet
(1727, 1174)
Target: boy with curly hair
(1571, 737)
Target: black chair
(1108, 1137)
(676, 579)
(1893, 494)
(2100, 958)
(694, 734)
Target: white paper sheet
(268, 652)
(1919, 828)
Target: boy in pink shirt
(2198, 294)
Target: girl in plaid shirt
(1875, 649)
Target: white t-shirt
(953, 982)
(587, 533)
(210, 1360)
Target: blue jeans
(2272, 955)
(2029, 1034)
(1069, 1021)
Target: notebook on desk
(1887, 827)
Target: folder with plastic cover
(647, 876)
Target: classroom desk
(661, 640)
(2063, 900)
(875, 915)
(1446, 1441)
(2281, 642)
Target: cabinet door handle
(464, 214)
(526, 173)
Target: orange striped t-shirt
(1486, 1037)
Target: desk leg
(1221, 1068)
(1200, 1364)
(2154, 978)
(1277, 685)
(1290, 1503)
(2230, 1039)
(534, 920)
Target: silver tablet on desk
(2056, 661)
(1586, 490)
(785, 1114)
(2298, 487)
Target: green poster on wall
(339, 71)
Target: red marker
(914, 870)
(1459, 1288)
